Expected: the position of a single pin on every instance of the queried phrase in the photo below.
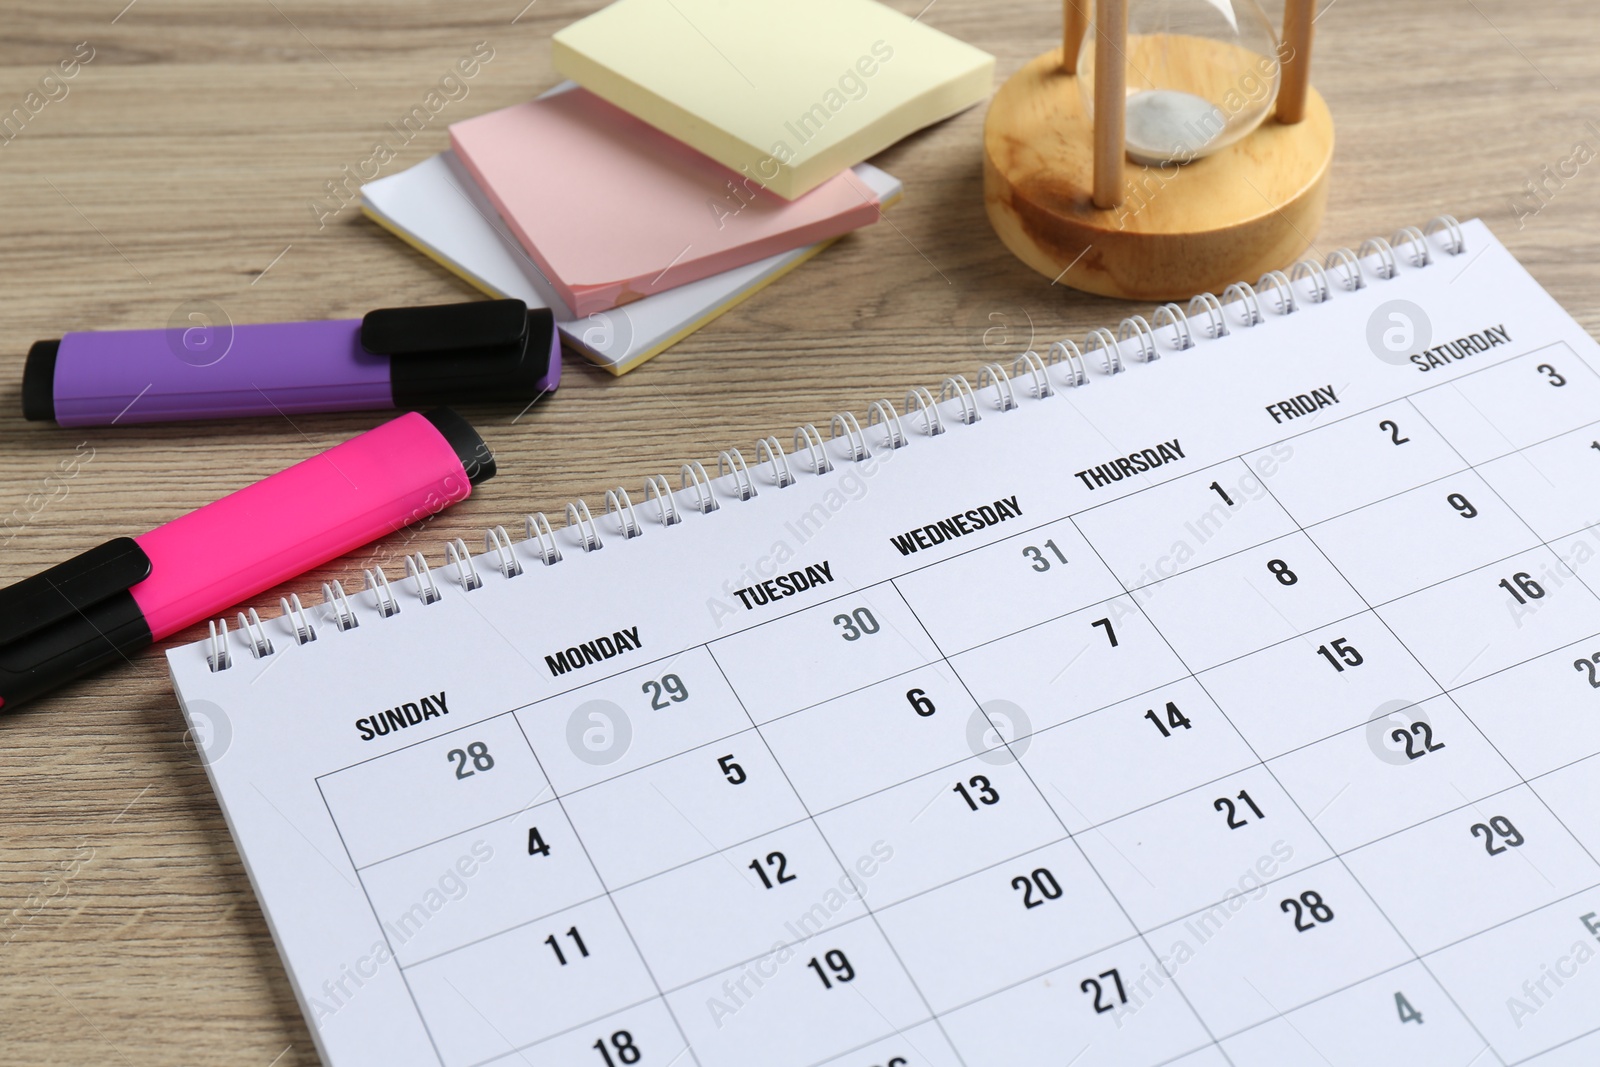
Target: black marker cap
(71, 619)
(39, 381)
(471, 449)
(485, 351)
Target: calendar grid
(621, 919)
(1550, 549)
(1309, 820)
(411, 993)
(878, 925)
(1139, 933)
(1010, 859)
(1440, 686)
(1142, 932)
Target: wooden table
(182, 165)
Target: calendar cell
(1553, 485)
(1116, 1008)
(1135, 753)
(471, 886)
(1183, 855)
(918, 1046)
(1185, 523)
(528, 984)
(1307, 688)
(643, 1034)
(1019, 582)
(632, 719)
(824, 651)
(1562, 724)
(683, 808)
(1491, 618)
(1422, 537)
(1406, 765)
(1517, 403)
(1353, 462)
(433, 789)
(1252, 599)
(939, 827)
(1488, 862)
(1567, 794)
(1073, 665)
(1531, 984)
(898, 730)
(711, 914)
(1400, 1018)
(1022, 917)
(837, 992)
(1249, 959)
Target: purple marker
(495, 350)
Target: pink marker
(112, 600)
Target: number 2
(1591, 667)
(1394, 431)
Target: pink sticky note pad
(612, 209)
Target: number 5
(732, 770)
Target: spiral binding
(1169, 330)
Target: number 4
(1408, 1014)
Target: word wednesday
(1302, 404)
(1460, 348)
(601, 648)
(753, 596)
(408, 714)
(958, 525)
(1146, 459)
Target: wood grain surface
(182, 164)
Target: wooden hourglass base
(1231, 216)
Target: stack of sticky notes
(708, 147)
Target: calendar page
(1239, 708)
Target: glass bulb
(1200, 75)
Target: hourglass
(1168, 147)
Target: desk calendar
(1241, 708)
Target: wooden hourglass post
(1059, 195)
(1074, 24)
(1296, 71)
(1110, 93)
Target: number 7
(1111, 634)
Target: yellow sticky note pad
(788, 93)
